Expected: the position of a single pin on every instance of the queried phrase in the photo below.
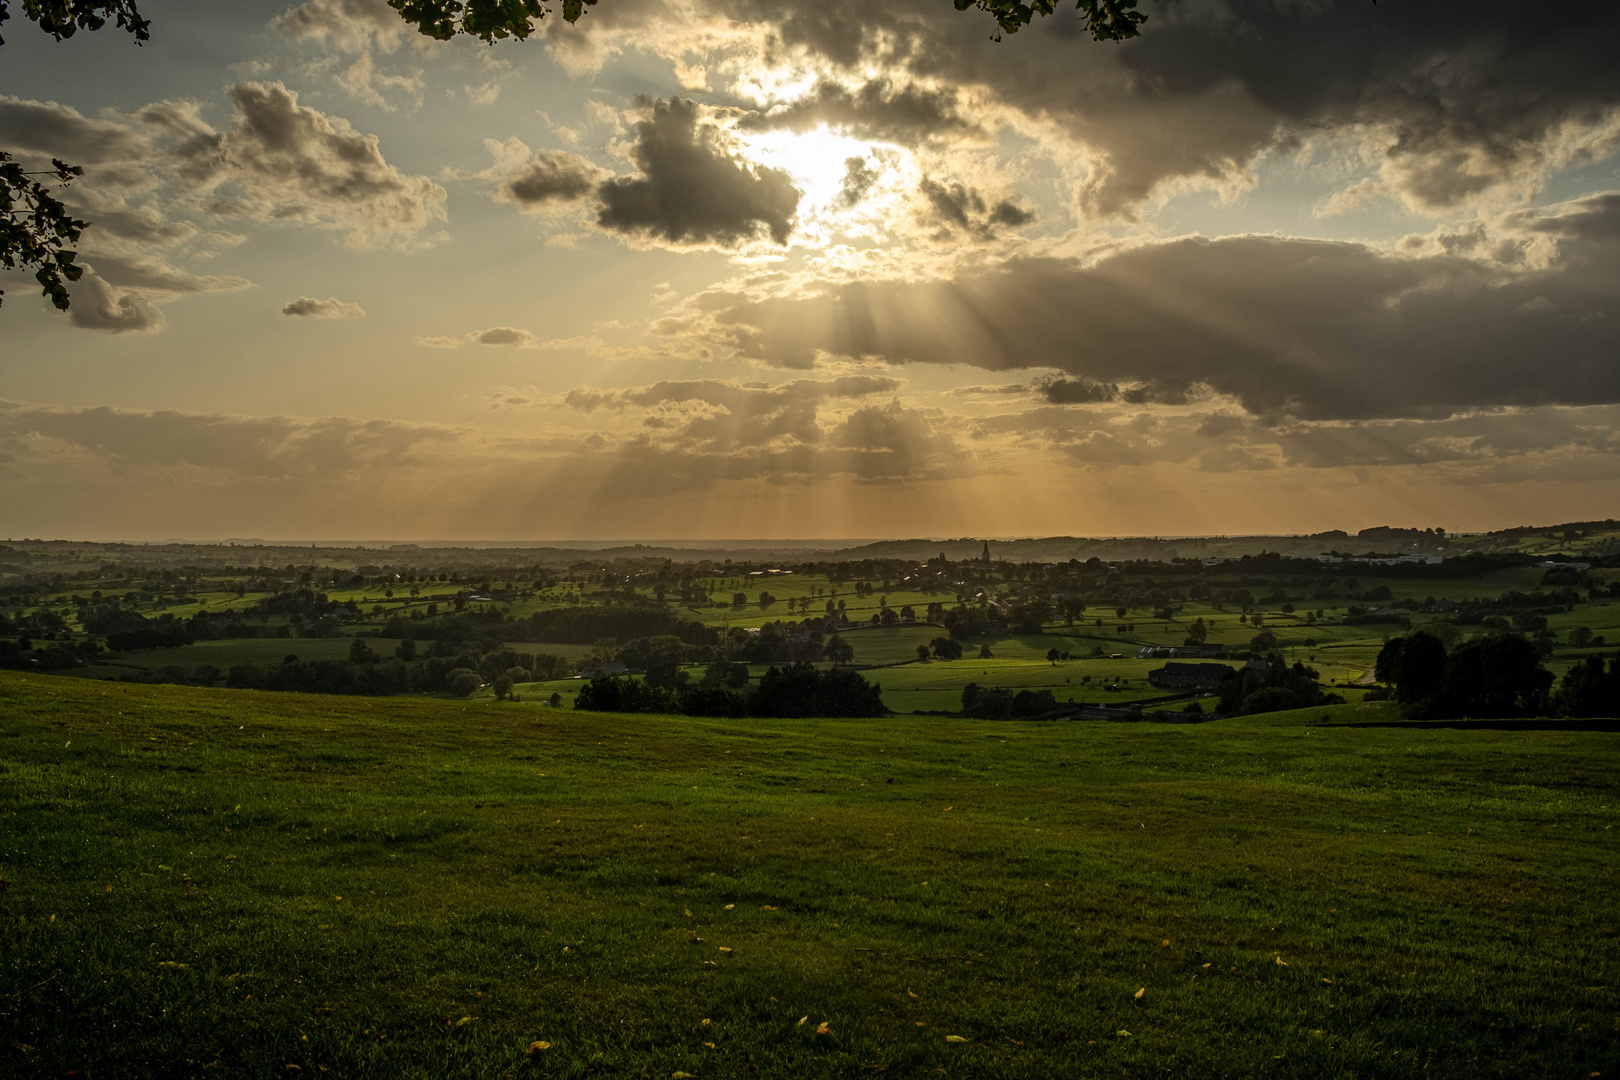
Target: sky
(820, 268)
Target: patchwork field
(209, 882)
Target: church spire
(985, 558)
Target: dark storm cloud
(695, 188)
(1077, 391)
(858, 180)
(956, 207)
(879, 110)
(552, 176)
(1469, 88)
(1470, 95)
(1307, 328)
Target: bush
(464, 683)
(1270, 699)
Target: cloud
(695, 187)
(1077, 391)
(353, 25)
(100, 305)
(364, 83)
(1314, 329)
(879, 110)
(125, 439)
(46, 128)
(956, 207)
(330, 308)
(751, 399)
(540, 180)
(496, 335)
(281, 161)
(696, 433)
(1455, 102)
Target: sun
(817, 160)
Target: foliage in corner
(61, 18)
(1105, 20)
(488, 20)
(36, 229)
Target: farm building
(1189, 676)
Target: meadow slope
(211, 882)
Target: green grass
(228, 883)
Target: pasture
(208, 882)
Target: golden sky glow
(720, 269)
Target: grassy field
(209, 882)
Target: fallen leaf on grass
(823, 1029)
(710, 964)
(692, 936)
(680, 1076)
(688, 912)
(1139, 993)
(1122, 1033)
(766, 907)
(1207, 966)
(910, 994)
(954, 1038)
(802, 1019)
(725, 948)
(170, 964)
(539, 1046)
(1327, 982)
(730, 906)
(1165, 944)
(464, 1021)
(1281, 962)
(704, 1022)
(710, 1045)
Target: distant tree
(1590, 690)
(922, 653)
(361, 653)
(406, 649)
(1580, 636)
(1491, 677)
(838, 650)
(908, 614)
(464, 682)
(1420, 669)
(503, 688)
(739, 599)
(1198, 632)
(1052, 656)
(947, 648)
(985, 653)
